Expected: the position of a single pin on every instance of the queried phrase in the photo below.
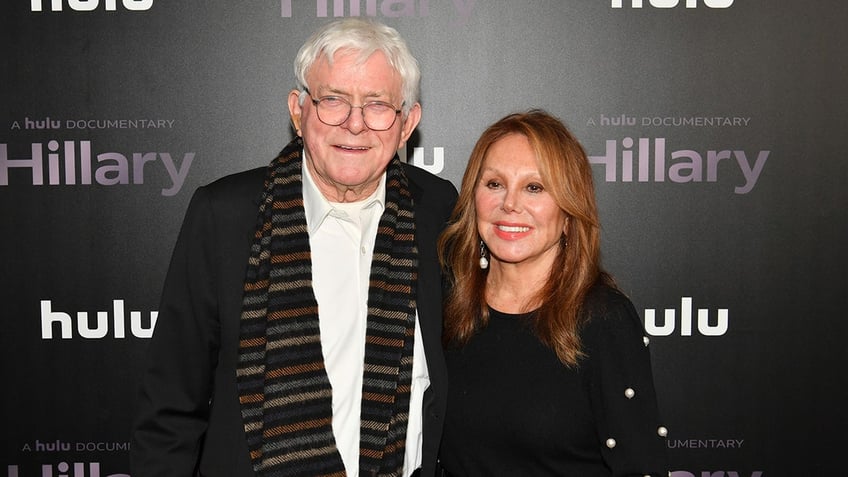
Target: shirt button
(610, 442)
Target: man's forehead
(352, 58)
(336, 75)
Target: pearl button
(629, 393)
(662, 431)
(646, 340)
(610, 442)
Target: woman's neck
(514, 289)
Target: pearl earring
(484, 262)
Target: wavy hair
(567, 176)
(365, 37)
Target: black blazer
(188, 418)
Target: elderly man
(299, 329)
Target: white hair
(364, 37)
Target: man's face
(347, 161)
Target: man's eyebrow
(338, 92)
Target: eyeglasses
(334, 110)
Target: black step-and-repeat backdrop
(716, 129)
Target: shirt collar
(317, 208)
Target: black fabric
(180, 429)
(514, 409)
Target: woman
(549, 370)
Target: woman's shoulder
(603, 300)
(608, 311)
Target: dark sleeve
(437, 197)
(624, 402)
(173, 402)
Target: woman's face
(516, 216)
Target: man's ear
(409, 124)
(295, 110)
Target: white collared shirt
(341, 238)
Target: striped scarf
(284, 391)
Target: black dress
(515, 410)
